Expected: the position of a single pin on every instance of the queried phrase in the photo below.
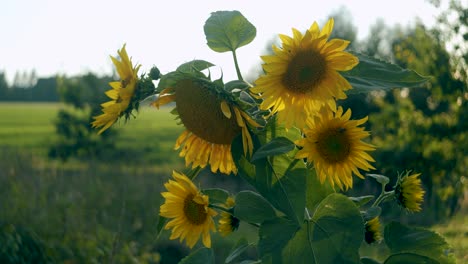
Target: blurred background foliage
(76, 197)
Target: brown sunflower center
(334, 145)
(195, 212)
(305, 71)
(199, 108)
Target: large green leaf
(367, 260)
(252, 207)
(276, 146)
(409, 258)
(228, 30)
(405, 239)
(199, 256)
(288, 194)
(216, 195)
(316, 191)
(274, 235)
(362, 200)
(333, 235)
(241, 246)
(255, 173)
(373, 74)
(280, 179)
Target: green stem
(383, 197)
(239, 75)
(192, 174)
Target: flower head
(303, 75)
(409, 193)
(188, 210)
(333, 143)
(212, 120)
(121, 93)
(373, 233)
(228, 223)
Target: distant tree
(45, 90)
(3, 87)
(423, 128)
(83, 96)
(452, 29)
(344, 27)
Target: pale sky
(74, 37)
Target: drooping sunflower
(228, 223)
(121, 93)
(373, 233)
(303, 75)
(212, 120)
(333, 143)
(188, 210)
(409, 193)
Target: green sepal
(228, 30)
(194, 66)
(192, 69)
(236, 85)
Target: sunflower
(189, 211)
(228, 223)
(121, 92)
(373, 233)
(333, 143)
(303, 75)
(212, 120)
(409, 193)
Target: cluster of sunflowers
(284, 134)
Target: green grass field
(87, 211)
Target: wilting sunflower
(333, 143)
(228, 223)
(189, 211)
(212, 120)
(121, 92)
(373, 233)
(409, 193)
(303, 75)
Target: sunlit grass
(81, 206)
(27, 125)
(455, 232)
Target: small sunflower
(228, 223)
(212, 120)
(333, 143)
(409, 192)
(373, 233)
(189, 211)
(303, 75)
(121, 92)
